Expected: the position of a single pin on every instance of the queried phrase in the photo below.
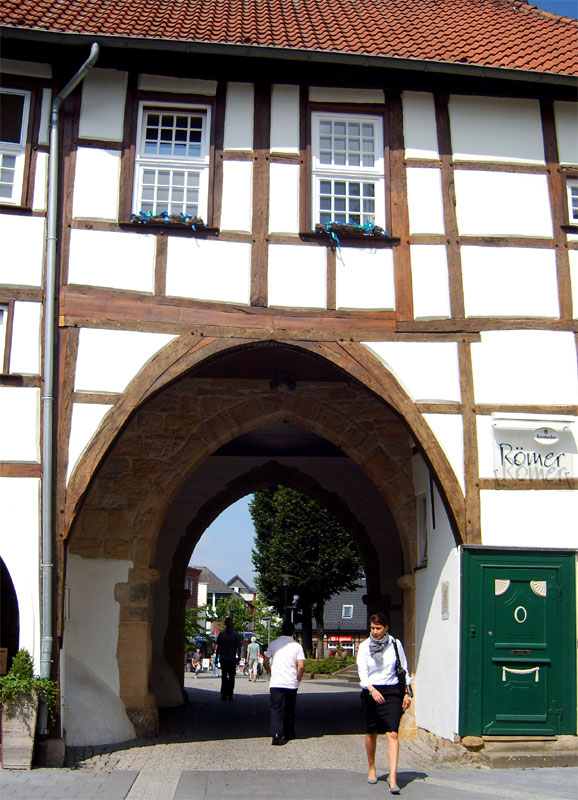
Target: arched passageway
(9, 615)
(240, 420)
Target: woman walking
(383, 696)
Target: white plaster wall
(239, 116)
(297, 276)
(86, 419)
(284, 118)
(496, 129)
(40, 196)
(90, 639)
(96, 183)
(162, 83)
(26, 337)
(529, 518)
(209, 270)
(22, 259)
(426, 370)
(32, 68)
(437, 640)
(112, 259)
(502, 203)
(92, 713)
(364, 279)
(103, 102)
(573, 255)
(330, 94)
(566, 118)
(284, 198)
(237, 202)
(19, 423)
(19, 548)
(449, 431)
(419, 125)
(525, 367)
(43, 128)
(510, 282)
(108, 360)
(424, 199)
(430, 281)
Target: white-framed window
(14, 114)
(172, 160)
(572, 189)
(347, 612)
(348, 169)
(421, 530)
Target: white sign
(535, 453)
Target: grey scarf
(377, 646)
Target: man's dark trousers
(228, 669)
(282, 703)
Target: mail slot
(520, 652)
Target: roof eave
(291, 54)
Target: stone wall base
(145, 721)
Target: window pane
(325, 158)
(340, 204)
(11, 113)
(354, 160)
(325, 187)
(339, 187)
(354, 128)
(163, 178)
(367, 129)
(354, 205)
(8, 162)
(339, 128)
(368, 190)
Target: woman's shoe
(372, 780)
(393, 789)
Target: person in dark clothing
(228, 649)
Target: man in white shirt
(285, 662)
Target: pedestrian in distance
(253, 658)
(385, 693)
(228, 649)
(197, 662)
(285, 662)
(213, 662)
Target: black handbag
(399, 670)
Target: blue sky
(568, 8)
(226, 545)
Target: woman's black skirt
(382, 717)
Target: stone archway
(171, 434)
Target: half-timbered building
(331, 245)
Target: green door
(518, 659)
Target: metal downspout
(48, 385)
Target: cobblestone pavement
(211, 735)
(210, 750)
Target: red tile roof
(509, 34)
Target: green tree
(296, 537)
(196, 623)
(234, 606)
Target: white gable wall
(496, 129)
(26, 337)
(103, 104)
(502, 204)
(419, 125)
(437, 639)
(96, 184)
(22, 259)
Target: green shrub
(20, 679)
(327, 666)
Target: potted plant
(20, 692)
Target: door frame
(473, 559)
